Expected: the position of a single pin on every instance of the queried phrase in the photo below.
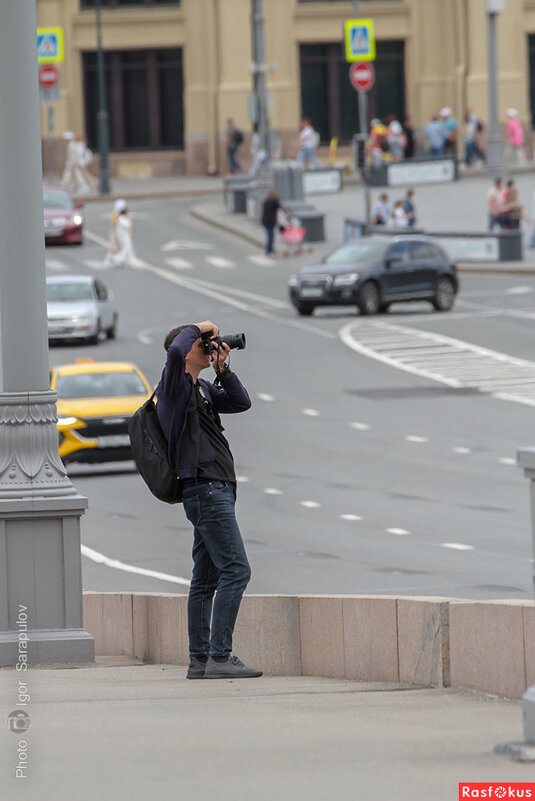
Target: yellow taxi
(95, 403)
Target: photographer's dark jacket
(196, 445)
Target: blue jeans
(220, 566)
(308, 154)
(232, 162)
(270, 231)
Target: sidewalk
(137, 732)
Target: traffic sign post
(362, 76)
(48, 91)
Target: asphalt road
(355, 476)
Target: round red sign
(362, 76)
(48, 76)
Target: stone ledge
(488, 646)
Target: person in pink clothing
(515, 135)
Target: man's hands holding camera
(220, 352)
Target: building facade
(176, 70)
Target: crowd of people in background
(401, 215)
(504, 209)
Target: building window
(330, 101)
(144, 95)
(531, 47)
(125, 3)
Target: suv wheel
(304, 309)
(368, 299)
(444, 294)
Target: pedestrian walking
(84, 159)
(511, 210)
(450, 126)
(396, 141)
(121, 250)
(233, 139)
(378, 143)
(409, 208)
(515, 137)
(410, 138)
(471, 150)
(436, 137)
(270, 211)
(72, 178)
(188, 409)
(381, 212)
(494, 204)
(399, 216)
(307, 144)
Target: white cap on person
(512, 112)
(445, 112)
(119, 205)
(69, 135)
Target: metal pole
(102, 114)
(260, 68)
(495, 159)
(363, 135)
(40, 561)
(50, 125)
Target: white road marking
(95, 556)
(400, 532)
(457, 546)
(93, 264)
(220, 261)
(178, 263)
(272, 491)
(185, 244)
(508, 460)
(311, 412)
(351, 517)
(360, 426)
(265, 397)
(261, 260)
(96, 238)
(56, 264)
(462, 450)
(241, 293)
(310, 504)
(242, 479)
(449, 361)
(519, 290)
(414, 438)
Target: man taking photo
(188, 410)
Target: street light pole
(260, 68)
(102, 114)
(495, 159)
(40, 560)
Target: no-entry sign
(48, 76)
(362, 76)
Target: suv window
(423, 250)
(399, 251)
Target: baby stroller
(292, 234)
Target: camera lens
(233, 340)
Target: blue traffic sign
(359, 40)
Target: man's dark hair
(172, 334)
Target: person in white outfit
(258, 154)
(121, 252)
(72, 179)
(85, 157)
(307, 144)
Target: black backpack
(238, 137)
(149, 450)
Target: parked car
(374, 272)
(63, 220)
(95, 402)
(79, 307)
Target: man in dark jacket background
(269, 218)
(188, 410)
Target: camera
(210, 343)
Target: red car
(63, 220)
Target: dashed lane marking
(95, 556)
(220, 262)
(351, 517)
(399, 532)
(449, 361)
(273, 491)
(311, 412)
(508, 461)
(463, 451)
(93, 264)
(178, 263)
(413, 438)
(360, 426)
(184, 244)
(56, 264)
(263, 396)
(457, 546)
(310, 504)
(262, 261)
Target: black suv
(374, 272)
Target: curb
(199, 214)
(159, 194)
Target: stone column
(40, 510)
(526, 460)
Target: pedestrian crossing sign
(49, 45)
(359, 40)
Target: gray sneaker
(196, 668)
(233, 668)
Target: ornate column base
(40, 559)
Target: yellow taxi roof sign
(359, 38)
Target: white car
(79, 307)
